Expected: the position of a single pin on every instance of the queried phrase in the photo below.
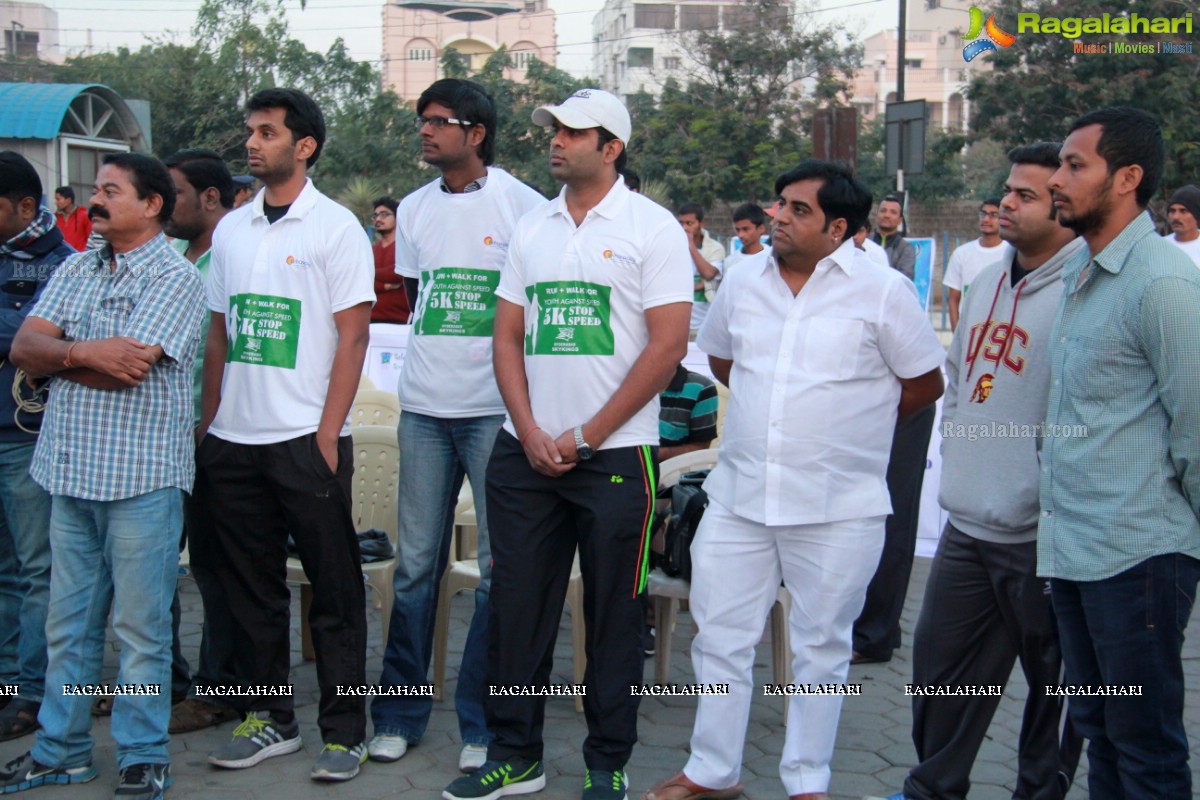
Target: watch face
(584, 452)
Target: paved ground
(873, 750)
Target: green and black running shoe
(600, 784)
(498, 779)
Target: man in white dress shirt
(822, 350)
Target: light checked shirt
(102, 444)
(815, 386)
(1120, 476)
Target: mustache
(97, 211)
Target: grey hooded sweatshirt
(997, 381)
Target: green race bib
(263, 329)
(457, 301)
(568, 318)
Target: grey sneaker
(338, 762)
(24, 773)
(258, 738)
(601, 784)
(143, 782)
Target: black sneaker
(143, 782)
(498, 779)
(599, 784)
(258, 738)
(24, 773)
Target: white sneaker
(387, 747)
(472, 757)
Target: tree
(743, 116)
(944, 177)
(1039, 85)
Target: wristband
(67, 361)
(521, 441)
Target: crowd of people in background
(184, 352)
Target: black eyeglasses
(989, 215)
(437, 123)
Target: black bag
(688, 501)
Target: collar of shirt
(473, 186)
(610, 207)
(1111, 259)
(140, 261)
(843, 258)
(300, 207)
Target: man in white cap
(592, 316)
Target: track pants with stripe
(602, 507)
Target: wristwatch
(582, 448)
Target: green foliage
(745, 114)
(1039, 85)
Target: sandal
(18, 719)
(102, 707)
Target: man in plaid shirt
(117, 331)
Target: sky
(108, 24)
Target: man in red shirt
(391, 301)
(72, 220)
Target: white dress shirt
(814, 387)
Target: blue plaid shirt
(1120, 476)
(101, 444)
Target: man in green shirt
(1119, 527)
(204, 193)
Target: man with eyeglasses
(391, 300)
(451, 240)
(970, 259)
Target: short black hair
(632, 180)
(18, 178)
(204, 169)
(1039, 154)
(149, 177)
(470, 102)
(67, 192)
(750, 212)
(302, 116)
(695, 209)
(387, 202)
(893, 198)
(607, 136)
(1129, 136)
(841, 196)
(991, 201)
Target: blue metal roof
(36, 110)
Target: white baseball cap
(589, 108)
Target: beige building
(934, 67)
(30, 30)
(417, 32)
(638, 45)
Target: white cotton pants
(737, 566)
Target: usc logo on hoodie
(996, 342)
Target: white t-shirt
(703, 290)
(585, 291)
(456, 245)
(738, 256)
(279, 286)
(969, 260)
(1192, 248)
(814, 387)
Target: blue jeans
(124, 554)
(1127, 630)
(24, 572)
(435, 454)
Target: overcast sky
(113, 23)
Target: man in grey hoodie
(984, 606)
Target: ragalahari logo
(995, 39)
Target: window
(641, 57)
(912, 63)
(672, 62)
(698, 18)
(420, 54)
(656, 15)
(523, 58)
